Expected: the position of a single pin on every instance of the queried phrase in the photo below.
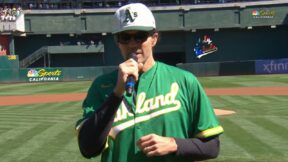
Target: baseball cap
(134, 16)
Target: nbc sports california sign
(44, 74)
(263, 13)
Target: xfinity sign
(271, 66)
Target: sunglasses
(138, 37)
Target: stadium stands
(72, 4)
(10, 14)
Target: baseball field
(37, 119)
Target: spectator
(10, 14)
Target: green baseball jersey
(169, 102)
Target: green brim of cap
(140, 28)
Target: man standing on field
(166, 117)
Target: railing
(52, 50)
(74, 49)
(34, 57)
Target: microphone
(130, 83)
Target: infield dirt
(48, 98)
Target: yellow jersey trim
(210, 132)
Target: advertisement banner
(4, 45)
(271, 66)
(44, 74)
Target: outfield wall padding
(9, 75)
(9, 61)
(202, 69)
(220, 68)
(52, 74)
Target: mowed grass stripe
(51, 107)
(274, 128)
(280, 121)
(223, 102)
(232, 101)
(57, 107)
(26, 123)
(18, 108)
(28, 90)
(51, 116)
(259, 109)
(17, 86)
(279, 98)
(72, 89)
(13, 123)
(21, 138)
(244, 81)
(32, 117)
(44, 112)
(263, 99)
(46, 88)
(254, 99)
(266, 83)
(272, 109)
(241, 101)
(40, 88)
(71, 153)
(6, 126)
(36, 143)
(38, 119)
(229, 149)
(53, 146)
(216, 102)
(14, 132)
(4, 130)
(248, 141)
(39, 114)
(277, 145)
(62, 106)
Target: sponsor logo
(263, 14)
(271, 66)
(204, 47)
(11, 57)
(38, 75)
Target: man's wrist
(118, 93)
(174, 145)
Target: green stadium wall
(175, 47)
(32, 75)
(58, 74)
(9, 61)
(241, 37)
(180, 27)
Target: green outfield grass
(45, 132)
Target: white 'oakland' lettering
(122, 113)
(146, 105)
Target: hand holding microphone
(127, 76)
(130, 83)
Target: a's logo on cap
(130, 16)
